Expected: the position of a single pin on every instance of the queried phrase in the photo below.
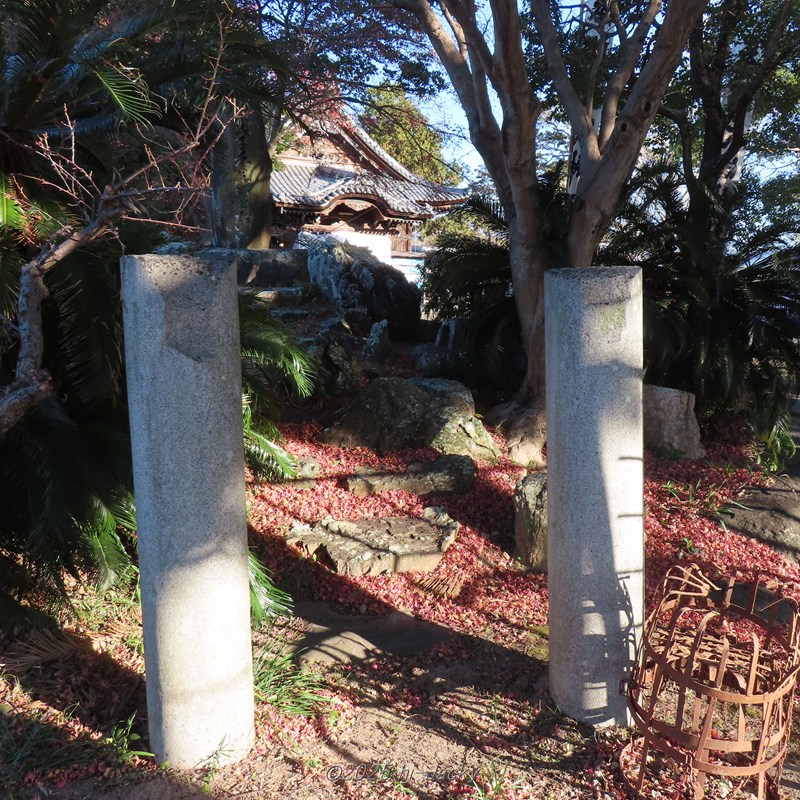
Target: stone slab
(379, 546)
(446, 474)
(770, 514)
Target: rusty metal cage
(712, 689)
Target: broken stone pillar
(595, 487)
(184, 391)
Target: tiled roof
(316, 185)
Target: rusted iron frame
(686, 590)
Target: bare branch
(631, 53)
(685, 133)
(579, 117)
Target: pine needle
(443, 585)
(39, 647)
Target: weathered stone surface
(530, 520)
(269, 267)
(332, 357)
(393, 413)
(449, 394)
(306, 474)
(378, 546)
(378, 346)
(770, 514)
(595, 557)
(276, 297)
(362, 288)
(445, 474)
(670, 424)
(182, 340)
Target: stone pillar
(184, 391)
(594, 487)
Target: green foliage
(721, 283)
(65, 474)
(267, 601)
(122, 741)
(275, 368)
(722, 294)
(776, 447)
(399, 127)
(87, 75)
(468, 272)
(283, 684)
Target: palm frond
(128, 91)
(274, 364)
(265, 458)
(84, 294)
(12, 215)
(283, 684)
(267, 601)
(112, 562)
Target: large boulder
(670, 425)
(332, 355)
(530, 520)
(393, 413)
(265, 268)
(363, 289)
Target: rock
(435, 361)
(266, 267)
(378, 346)
(530, 520)
(306, 473)
(449, 394)
(527, 432)
(431, 360)
(333, 360)
(378, 546)
(670, 425)
(276, 297)
(393, 413)
(445, 474)
(452, 334)
(363, 289)
(770, 515)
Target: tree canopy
(398, 125)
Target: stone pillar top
(599, 284)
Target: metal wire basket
(712, 689)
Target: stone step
(452, 473)
(276, 297)
(293, 312)
(377, 546)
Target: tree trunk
(224, 199)
(257, 176)
(241, 169)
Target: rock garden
(415, 663)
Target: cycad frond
(128, 91)
(273, 362)
(84, 294)
(112, 562)
(267, 601)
